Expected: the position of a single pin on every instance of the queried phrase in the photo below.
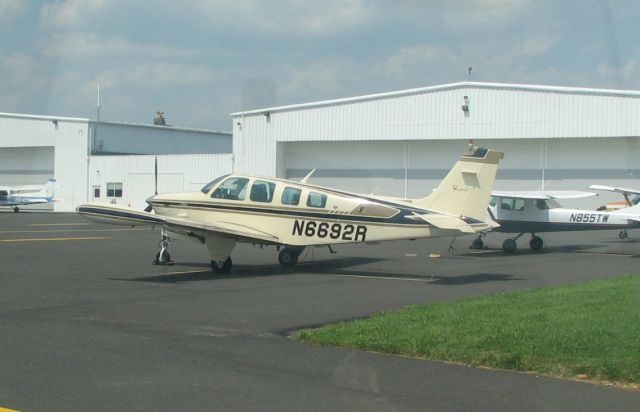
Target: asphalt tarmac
(89, 324)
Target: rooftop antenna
(98, 104)
(469, 70)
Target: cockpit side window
(316, 199)
(207, 188)
(492, 201)
(541, 204)
(291, 196)
(4, 193)
(262, 191)
(234, 188)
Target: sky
(198, 61)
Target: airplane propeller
(149, 208)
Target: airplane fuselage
(532, 220)
(335, 217)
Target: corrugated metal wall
(176, 173)
(495, 112)
(119, 138)
(69, 139)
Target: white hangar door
(390, 168)
(26, 165)
(363, 167)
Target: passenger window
(262, 191)
(518, 204)
(291, 196)
(506, 203)
(234, 188)
(492, 201)
(316, 199)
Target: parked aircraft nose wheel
(623, 234)
(163, 258)
(509, 245)
(536, 243)
(288, 257)
(221, 267)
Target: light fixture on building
(465, 106)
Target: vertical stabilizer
(466, 189)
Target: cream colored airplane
(293, 215)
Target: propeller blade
(148, 209)
(156, 175)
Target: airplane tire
(623, 234)
(162, 260)
(221, 268)
(536, 243)
(288, 257)
(477, 243)
(509, 245)
(16, 209)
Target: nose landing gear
(163, 257)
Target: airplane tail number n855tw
(293, 215)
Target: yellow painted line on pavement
(59, 224)
(2, 409)
(45, 239)
(71, 230)
(382, 277)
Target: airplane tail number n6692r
(293, 215)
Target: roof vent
(159, 120)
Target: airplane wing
(546, 194)
(622, 190)
(107, 213)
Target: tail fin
(49, 188)
(466, 189)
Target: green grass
(588, 329)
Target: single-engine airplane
(15, 196)
(620, 204)
(293, 215)
(539, 211)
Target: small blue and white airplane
(15, 196)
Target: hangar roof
(447, 87)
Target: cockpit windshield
(207, 188)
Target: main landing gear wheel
(288, 257)
(477, 243)
(221, 267)
(623, 234)
(16, 209)
(509, 245)
(536, 243)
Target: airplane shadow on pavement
(184, 272)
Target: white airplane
(293, 215)
(15, 196)
(621, 204)
(538, 211)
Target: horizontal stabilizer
(451, 223)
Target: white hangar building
(108, 161)
(402, 143)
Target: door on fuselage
(519, 209)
